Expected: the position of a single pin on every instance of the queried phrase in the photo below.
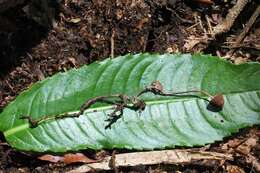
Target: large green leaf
(166, 121)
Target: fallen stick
(151, 158)
(246, 29)
(228, 22)
(112, 43)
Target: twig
(228, 22)
(151, 158)
(112, 40)
(202, 28)
(209, 24)
(246, 29)
(192, 26)
(112, 162)
(178, 16)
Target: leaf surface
(165, 122)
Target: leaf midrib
(102, 108)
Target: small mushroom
(218, 101)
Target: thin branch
(150, 158)
(246, 29)
(228, 22)
(112, 42)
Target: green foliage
(166, 121)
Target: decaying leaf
(68, 158)
(77, 157)
(51, 158)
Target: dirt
(85, 31)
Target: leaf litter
(68, 158)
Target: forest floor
(85, 31)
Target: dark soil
(85, 31)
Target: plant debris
(228, 22)
(151, 158)
(122, 101)
(68, 158)
(246, 29)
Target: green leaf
(166, 121)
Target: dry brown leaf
(77, 158)
(68, 158)
(51, 158)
